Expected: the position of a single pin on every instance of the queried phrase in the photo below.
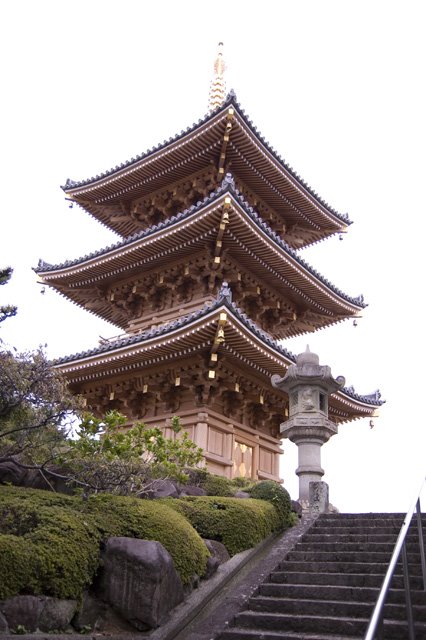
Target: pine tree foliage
(8, 310)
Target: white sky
(337, 87)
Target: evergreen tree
(6, 311)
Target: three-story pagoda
(204, 283)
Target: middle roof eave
(248, 234)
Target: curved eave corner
(223, 301)
(357, 405)
(227, 187)
(73, 188)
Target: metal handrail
(400, 547)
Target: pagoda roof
(175, 340)
(259, 249)
(252, 159)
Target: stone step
(349, 545)
(334, 608)
(377, 557)
(326, 587)
(344, 517)
(359, 523)
(390, 532)
(347, 519)
(264, 622)
(339, 592)
(250, 634)
(341, 566)
(350, 579)
(367, 535)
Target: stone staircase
(326, 587)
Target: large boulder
(191, 490)
(242, 494)
(34, 613)
(161, 489)
(140, 581)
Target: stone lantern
(308, 385)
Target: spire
(217, 86)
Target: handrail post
(408, 605)
(421, 542)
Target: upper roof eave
(75, 188)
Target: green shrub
(238, 524)
(16, 566)
(49, 543)
(151, 520)
(35, 496)
(196, 476)
(218, 486)
(277, 495)
(45, 548)
(242, 483)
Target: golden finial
(217, 85)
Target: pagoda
(204, 285)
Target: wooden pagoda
(204, 282)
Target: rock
(242, 494)
(23, 612)
(56, 614)
(4, 628)
(192, 490)
(194, 583)
(140, 581)
(217, 550)
(212, 562)
(318, 497)
(296, 507)
(38, 612)
(90, 613)
(12, 473)
(161, 489)
(99, 616)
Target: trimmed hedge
(218, 486)
(151, 520)
(45, 549)
(50, 543)
(276, 494)
(238, 524)
(215, 485)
